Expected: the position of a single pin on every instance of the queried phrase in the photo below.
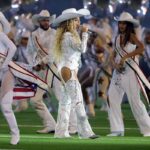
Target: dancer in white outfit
(68, 48)
(125, 80)
(44, 36)
(7, 79)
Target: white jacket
(46, 40)
(71, 51)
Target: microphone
(89, 30)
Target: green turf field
(29, 122)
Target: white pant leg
(115, 95)
(62, 124)
(59, 93)
(6, 96)
(64, 107)
(6, 107)
(138, 108)
(72, 120)
(75, 93)
(42, 110)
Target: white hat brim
(36, 18)
(68, 16)
(135, 22)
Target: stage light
(144, 1)
(16, 17)
(15, 6)
(85, 7)
(122, 1)
(111, 9)
(89, 3)
(138, 11)
(144, 10)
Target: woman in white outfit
(125, 80)
(7, 79)
(68, 48)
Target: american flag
(25, 91)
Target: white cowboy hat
(4, 24)
(125, 16)
(25, 34)
(44, 14)
(70, 14)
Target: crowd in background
(95, 69)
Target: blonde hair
(66, 26)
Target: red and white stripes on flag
(23, 92)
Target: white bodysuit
(71, 94)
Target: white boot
(116, 134)
(61, 130)
(147, 134)
(45, 130)
(6, 106)
(15, 139)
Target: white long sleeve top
(71, 51)
(8, 48)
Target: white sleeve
(77, 46)
(50, 57)
(10, 46)
(30, 51)
(5, 22)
